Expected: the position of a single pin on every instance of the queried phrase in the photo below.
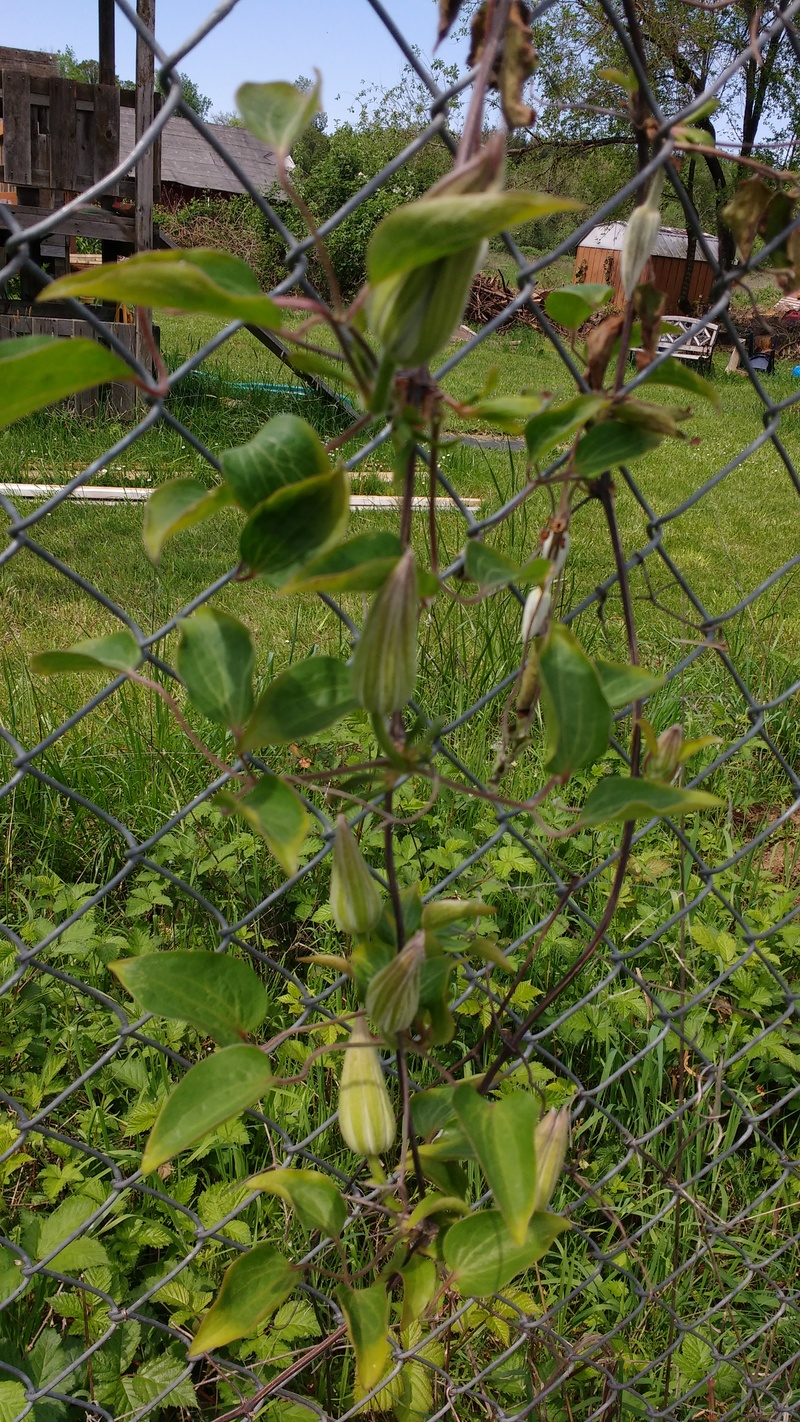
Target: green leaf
(419, 1287)
(254, 1286)
(624, 684)
(492, 570)
(558, 424)
(118, 652)
(277, 113)
(623, 78)
(611, 443)
(506, 412)
(276, 813)
(621, 797)
(39, 370)
(12, 1401)
(220, 996)
(179, 504)
(313, 1197)
(362, 564)
(300, 701)
(366, 1313)
(571, 305)
(286, 450)
(197, 280)
(432, 1110)
(680, 376)
(296, 523)
(308, 362)
(153, 1378)
(423, 231)
(220, 1086)
(82, 1253)
(215, 663)
(440, 913)
(483, 1256)
(502, 1137)
(577, 715)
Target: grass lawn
(128, 757)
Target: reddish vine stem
(252, 1404)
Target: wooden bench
(699, 349)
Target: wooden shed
(190, 167)
(597, 260)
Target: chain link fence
(675, 1294)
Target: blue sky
(259, 40)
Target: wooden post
(145, 91)
(107, 49)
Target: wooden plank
(90, 222)
(29, 61)
(106, 131)
(145, 95)
(63, 136)
(118, 494)
(106, 10)
(17, 167)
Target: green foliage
(577, 714)
(255, 1285)
(218, 995)
(197, 280)
(215, 662)
(35, 374)
(118, 651)
(276, 813)
(277, 113)
(220, 1086)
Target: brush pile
(490, 296)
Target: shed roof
(187, 159)
(670, 242)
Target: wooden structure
(190, 168)
(57, 139)
(597, 260)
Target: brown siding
(603, 266)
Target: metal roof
(187, 159)
(670, 242)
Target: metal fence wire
(677, 1291)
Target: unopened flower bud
(640, 235)
(413, 314)
(535, 613)
(663, 762)
(385, 660)
(366, 1119)
(555, 547)
(550, 1145)
(393, 994)
(355, 898)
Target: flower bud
(663, 762)
(355, 898)
(640, 234)
(535, 613)
(366, 1119)
(550, 1144)
(413, 314)
(385, 660)
(393, 994)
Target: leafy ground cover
(129, 758)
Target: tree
(87, 71)
(687, 50)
